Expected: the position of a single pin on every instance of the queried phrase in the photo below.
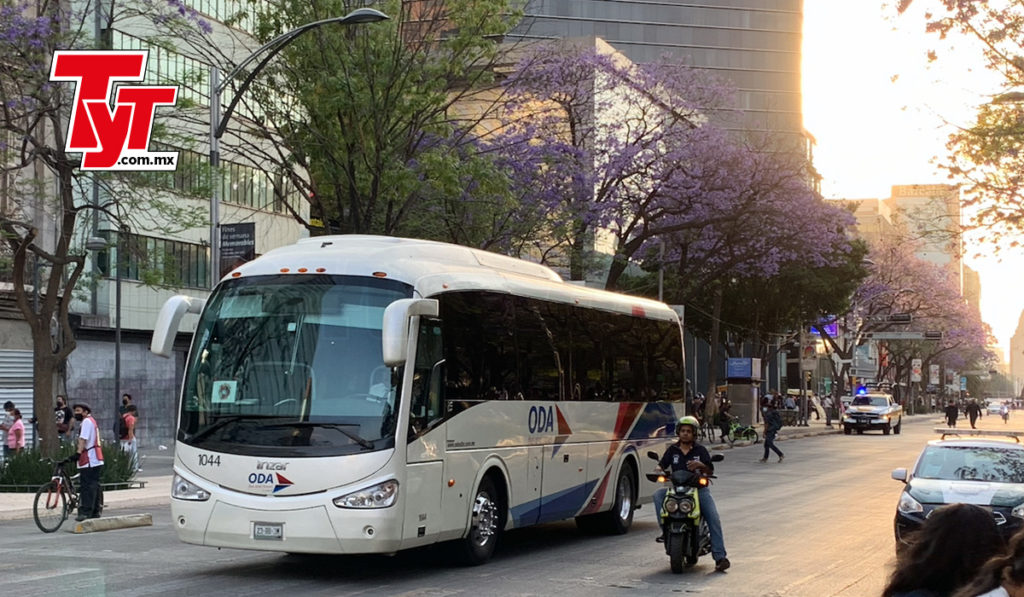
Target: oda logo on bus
(544, 419)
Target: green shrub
(27, 469)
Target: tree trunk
(44, 366)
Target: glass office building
(755, 44)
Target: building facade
(754, 44)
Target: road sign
(895, 335)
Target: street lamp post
(218, 124)
(96, 243)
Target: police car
(969, 466)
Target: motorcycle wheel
(675, 552)
(689, 561)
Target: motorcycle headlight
(686, 506)
(1018, 511)
(185, 490)
(671, 506)
(381, 495)
(909, 505)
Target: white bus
(362, 394)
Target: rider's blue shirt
(675, 460)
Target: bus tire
(486, 522)
(618, 520)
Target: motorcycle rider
(687, 453)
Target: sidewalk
(156, 473)
(813, 428)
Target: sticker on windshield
(224, 392)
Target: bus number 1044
(209, 460)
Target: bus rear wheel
(485, 525)
(617, 520)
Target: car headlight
(381, 495)
(1018, 511)
(186, 490)
(909, 505)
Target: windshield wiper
(220, 423)
(336, 426)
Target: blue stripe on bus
(557, 506)
(658, 419)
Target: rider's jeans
(710, 512)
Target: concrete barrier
(111, 523)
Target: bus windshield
(291, 365)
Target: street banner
(915, 370)
(963, 383)
(237, 245)
(933, 375)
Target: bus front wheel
(485, 525)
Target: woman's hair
(17, 414)
(991, 575)
(947, 551)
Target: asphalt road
(817, 525)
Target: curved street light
(219, 124)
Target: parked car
(983, 469)
(873, 411)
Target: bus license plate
(267, 530)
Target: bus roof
(434, 267)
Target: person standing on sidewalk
(772, 425)
(62, 415)
(16, 434)
(6, 425)
(128, 440)
(90, 463)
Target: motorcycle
(686, 534)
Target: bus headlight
(186, 490)
(381, 495)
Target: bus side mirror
(167, 322)
(395, 329)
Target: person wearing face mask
(772, 425)
(90, 463)
(62, 414)
(5, 426)
(126, 399)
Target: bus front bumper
(315, 529)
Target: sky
(881, 113)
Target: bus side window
(428, 379)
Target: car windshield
(291, 365)
(993, 464)
(870, 401)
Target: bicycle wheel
(50, 507)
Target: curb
(111, 523)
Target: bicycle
(741, 432)
(57, 498)
(706, 431)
